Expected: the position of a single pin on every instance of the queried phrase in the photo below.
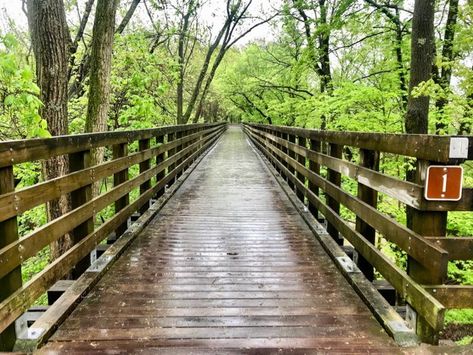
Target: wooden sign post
(444, 183)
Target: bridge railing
(139, 165)
(336, 172)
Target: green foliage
(19, 102)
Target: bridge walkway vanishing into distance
(233, 256)
(228, 262)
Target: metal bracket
(100, 264)
(347, 264)
(411, 317)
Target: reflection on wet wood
(228, 264)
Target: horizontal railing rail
(161, 156)
(313, 164)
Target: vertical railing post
(179, 135)
(8, 234)
(79, 161)
(284, 150)
(144, 144)
(159, 159)
(315, 168)
(425, 223)
(368, 159)
(170, 138)
(335, 178)
(278, 146)
(292, 139)
(302, 142)
(119, 151)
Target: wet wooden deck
(227, 264)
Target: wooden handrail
(300, 163)
(421, 146)
(151, 181)
(20, 151)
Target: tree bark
(446, 71)
(100, 71)
(101, 65)
(76, 88)
(50, 40)
(181, 58)
(422, 50)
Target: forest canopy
(340, 65)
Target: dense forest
(392, 66)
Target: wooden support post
(368, 159)
(315, 168)
(170, 153)
(179, 148)
(334, 177)
(425, 223)
(301, 160)
(284, 150)
(144, 144)
(278, 146)
(291, 138)
(8, 234)
(159, 160)
(80, 161)
(275, 156)
(119, 151)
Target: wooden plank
(452, 296)
(415, 294)
(315, 168)
(301, 141)
(291, 138)
(159, 160)
(20, 300)
(144, 144)
(335, 178)
(425, 223)
(458, 248)
(120, 151)
(423, 146)
(79, 161)
(11, 281)
(20, 151)
(13, 254)
(18, 202)
(368, 159)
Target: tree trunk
(422, 45)
(446, 71)
(101, 65)
(181, 52)
(100, 70)
(50, 40)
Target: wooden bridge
(230, 238)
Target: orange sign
(444, 183)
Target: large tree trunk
(50, 40)
(445, 76)
(100, 71)
(422, 50)
(81, 72)
(181, 59)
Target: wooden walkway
(227, 264)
